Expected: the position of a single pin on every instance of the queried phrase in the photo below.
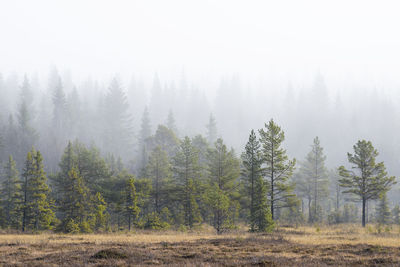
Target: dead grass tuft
(110, 254)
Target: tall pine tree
(37, 209)
(370, 180)
(131, 202)
(187, 174)
(313, 182)
(224, 171)
(278, 169)
(260, 214)
(159, 171)
(11, 195)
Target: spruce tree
(211, 130)
(313, 181)
(11, 195)
(187, 176)
(382, 211)
(262, 218)
(159, 171)
(99, 212)
(37, 209)
(27, 175)
(117, 130)
(396, 214)
(131, 202)
(27, 135)
(278, 169)
(254, 185)
(224, 171)
(166, 139)
(144, 134)
(370, 181)
(74, 201)
(171, 122)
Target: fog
(326, 69)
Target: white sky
(206, 38)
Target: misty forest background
(124, 130)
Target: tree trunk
(363, 211)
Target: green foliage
(187, 173)
(144, 134)
(382, 211)
(86, 226)
(11, 196)
(218, 202)
(89, 164)
(313, 181)
(74, 203)
(38, 211)
(212, 130)
(396, 215)
(131, 202)
(171, 122)
(224, 171)
(278, 169)
(99, 213)
(292, 214)
(255, 187)
(164, 138)
(159, 171)
(262, 218)
(349, 213)
(117, 130)
(371, 180)
(72, 227)
(153, 221)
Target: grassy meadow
(344, 245)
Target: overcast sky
(360, 39)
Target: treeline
(188, 182)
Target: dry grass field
(345, 245)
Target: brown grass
(347, 245)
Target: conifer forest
(183, 133)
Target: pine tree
(314, 180)
(144, 134)
(27, 175)
(99, 212)
(254, 185)
(224, 171)
(59, 107)
(383, 212)
(371, 180)
(27, 135)
(37, 209)
(131, 202)
(117, 130)
(336, 190)
(166, 139)
(11, 195)
(171, 122)
(74, 112)
(159, 171)
(262, 217)
(187, 174)
(396, 215)
(74, 201)
(211, 130)
(89, 164)
(278, 169)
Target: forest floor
(345, 245)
